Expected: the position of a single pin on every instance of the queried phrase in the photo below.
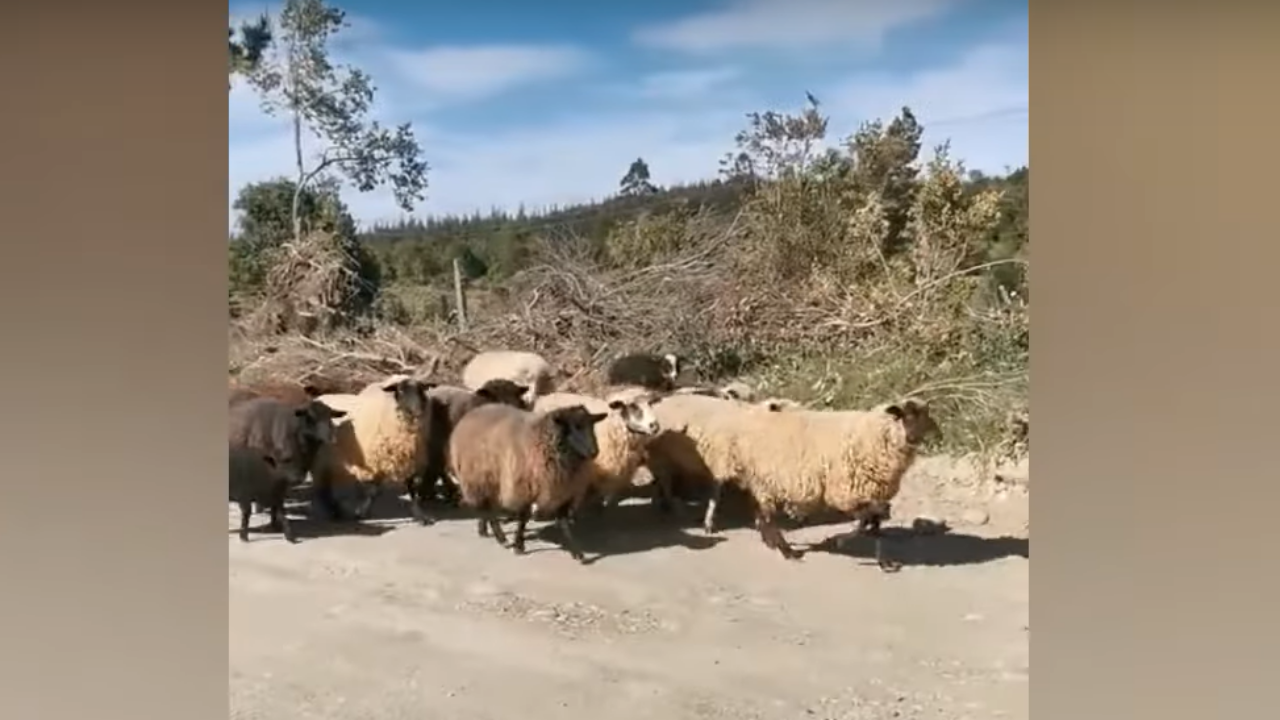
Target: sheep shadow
(627, 529)
(916, 549)
(391, 505)
(306, 527)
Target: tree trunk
(297, 188)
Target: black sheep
(648, 370)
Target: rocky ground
(396, 620)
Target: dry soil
(397, 620)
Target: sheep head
(915, 419)
(576, 431)
(410, 396)
(318, 420)
(670, 367)
(637, 415)
(505, 392)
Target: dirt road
(403, 621)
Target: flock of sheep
(508, 446)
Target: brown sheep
(449, 404)
(507, 460)
(290, 393)
(253, 478)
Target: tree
(775, 145)
(333, 102)
(636, 181)
(266, 207)
(245, 54)
(884, 160)
(265, 224)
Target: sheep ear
(312, 391)
(773, 406)
(484, 393)
(521, 389)
(335, 414)
(895, 411)
(428, 385)
(390, 385)
(616, 404)
(270, 461)
(597, 417)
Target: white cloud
(977, 102)
(469, 73)
(685, 84)
(799, 24)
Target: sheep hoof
(518, 549)
(244, 536)
(890, 566)
(291, 539)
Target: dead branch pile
(335, 358)
(313, 284)
(579, 314)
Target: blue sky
(548, 103)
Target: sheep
(656, 372)
(253, 478)
(621, 438)
(290, 393)
(292, 435)
(381, 438)
(508, 460)
(451, 403)
(690, 449)
(797, 463)
(779, 404)
(526, 368)
(737, 390)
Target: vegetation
(245, 52)
(840, 277)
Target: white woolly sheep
(525, 368)
(622, 438)
(737, 390)
(797, 463)
(692, 451)
(510, 460)
(382, 437)
(778, 404)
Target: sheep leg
(869, 521)
(286, 528)
(709, 518)
(772, 536)
(418, 488)
(564, 521)
(522, 520)
(488, 522)
(498, 533)
(328, 503)
(369, 492)
(246, 511)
